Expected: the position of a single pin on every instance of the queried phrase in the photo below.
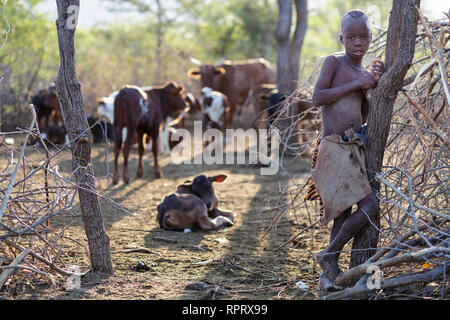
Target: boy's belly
(342, 115)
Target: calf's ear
(219, 70)
(185, 188)
(193, 73)
(219, 178)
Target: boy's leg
(327, 258)
(338, 222)
(324, 282)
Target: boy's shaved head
(354, 15)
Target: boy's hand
(376, 69)
(367, 81)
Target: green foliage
(28, 55)
(118, 53)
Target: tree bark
(288, 61)
(297, 41)
(399, 54)
(159, 41)
(75, 121)
(282, 35)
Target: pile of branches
(414, 231)
(36, 208)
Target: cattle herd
(131, 113)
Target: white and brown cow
(216, 110)
(142, 113)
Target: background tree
(288, 49)
(400, 48)
(288, 60)
(75, 121)
(154, 11)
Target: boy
(338, 173)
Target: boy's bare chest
(345, 74)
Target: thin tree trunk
(288, 61)
(282, 35)
(159, 40)
(301, 7)
(399, 54)
(74, 116)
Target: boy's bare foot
(325, 284)
(329, 264)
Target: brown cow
(234, 78)
(172, 125)
(47, 106)
(194, 205)
(51, 135)
(143, 113)
(256, 104)
(52, 102)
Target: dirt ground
(231, 263)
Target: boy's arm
(324, 95)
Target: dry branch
(404, 258)
(136, 250)
(5, 274)
(362, 290)
(403, 196)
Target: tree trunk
(399, 54)
(301, 7)
(288, 61)
(74, 116)
(282, 35)
(159, 41)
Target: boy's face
(356, 37)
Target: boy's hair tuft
(355, 14)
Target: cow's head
(175, 99)
(210, 75)
(202, 187)
(51, 98)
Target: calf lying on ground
(194, 206)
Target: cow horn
(195, 61)
(219, 62)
